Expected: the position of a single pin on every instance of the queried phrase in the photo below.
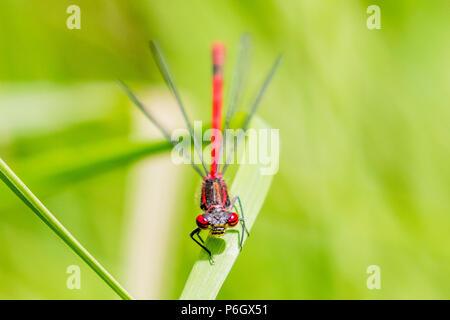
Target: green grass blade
(22, 191)
(82, 163)
(205, 280)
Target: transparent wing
(254, 106)
(239, 77)
(164, 132)
(165, 72)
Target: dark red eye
(233, 219)
(202, 222)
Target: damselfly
(219, 211)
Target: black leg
(198, 235)
(196, 232)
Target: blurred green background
(365, 145)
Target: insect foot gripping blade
(197, 232)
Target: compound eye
(202, 222)
(233, 219)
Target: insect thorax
(214, 194)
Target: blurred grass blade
(80, 163)
(205, 280)
(21, 190)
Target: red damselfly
(219, 211)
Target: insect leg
(198, 235)
(244, 227)
(233, 203)
(197, 231)
(243, 217)
(241, 220)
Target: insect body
(219, 212)
(215, 201)
(216, 206)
